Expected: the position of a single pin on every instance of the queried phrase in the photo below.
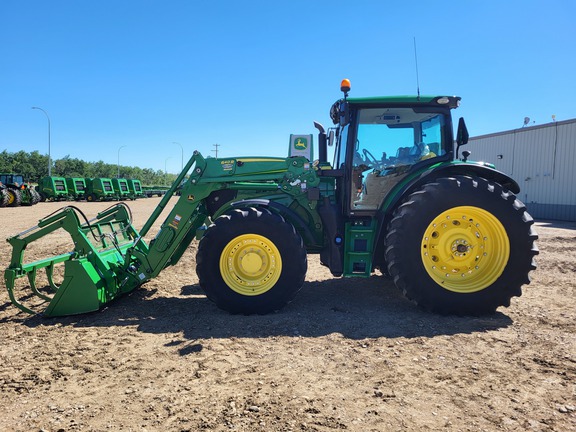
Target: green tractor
(398, 198)
(14, 191)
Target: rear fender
(442, 170)
(452, 169)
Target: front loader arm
(290, 176)
(177, 231)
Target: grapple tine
(32, 281)
(31, 271)
(10, 278)
(50, 276)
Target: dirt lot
(346, 354)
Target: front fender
(289, 215)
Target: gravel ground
(346, 354)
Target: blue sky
(245, 75)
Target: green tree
(34, 166)
(39, 164)
(5, 162)
(67, 167)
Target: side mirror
(344, 113)
(462, 134)
(331, 137)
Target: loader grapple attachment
(92, 271)
(109, 257)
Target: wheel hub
(250, 264)
(465, 249)
(460, 247)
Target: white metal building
(542, 159)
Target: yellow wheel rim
(465, 249)
(250, 264)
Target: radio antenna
(417, 77)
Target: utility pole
(49, 158)
(216, 151)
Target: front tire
(35, 196)
(461, 246)
(251, 261)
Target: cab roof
(451, 101)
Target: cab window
(388, 142)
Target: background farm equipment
(121, 188)
(76, 188)
(99, 189)
(14, 191)
(150, 191)
(135, 187)
(450, 232)
(53, 188)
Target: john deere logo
(301, 143)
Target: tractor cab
(381, 140)
(12, 179)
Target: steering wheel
(369, 158)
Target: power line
(216, 151)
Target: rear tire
(251, 261)
(461, 246)
(3, 198)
